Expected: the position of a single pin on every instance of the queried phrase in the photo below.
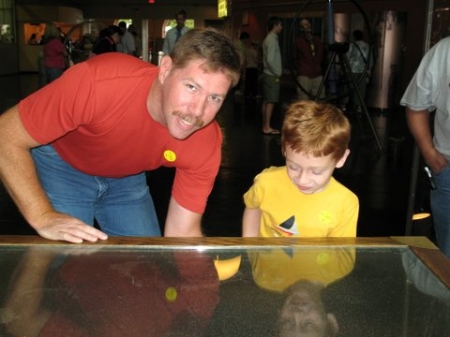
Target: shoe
(271, 132)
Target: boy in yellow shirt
(302, 198)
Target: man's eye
(191, 87)
(216, 99)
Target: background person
(107, 41)
(175, 33)
(77, 150)
(272, 72)
(309, 57)
(428, 91)
(55, 54)
(358, 56)
(127, 43)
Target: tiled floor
(381, 179)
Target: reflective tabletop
(224, 287)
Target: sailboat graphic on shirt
(287, 228)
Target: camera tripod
(338, 51)
(338, 56)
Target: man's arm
(18, 173)
(182, 222)
(251, 222)
(25, 294)
(419, 125)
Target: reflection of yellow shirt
(277, 269)
(285, 211)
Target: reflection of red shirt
(97, 119)
(110, 294)
(309, 56)
(54, 54)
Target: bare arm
(182, 222)
(251, 222)
(419, 125)
(25, 294)
(18, 173)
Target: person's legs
(440, 201)
(315, 85)
(69, 190)
(306, 85)
(53, 74)
(121, 206)
(267, 108)
(125, 207)
(271, 93)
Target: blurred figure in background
(308, 56)
(127, 44)
(108, 40)
(55, 54)
(175, 33)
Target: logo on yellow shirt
(325, 217)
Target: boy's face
(311, 174)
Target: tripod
(339, 50)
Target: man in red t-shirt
(308, 55)
(77, 149)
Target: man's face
(180, 19)
(278, 28)
(191, 96)
(305, 25)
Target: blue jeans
(440, 208)
(121, 206)
(53, 73)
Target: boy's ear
(341, 161)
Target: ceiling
(82, 3)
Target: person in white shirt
(127, 44)
(175, 33)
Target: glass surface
(217, 291)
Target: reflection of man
(110, 294)
(175, 33)
(308, 56)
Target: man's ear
(341, 161)
(164, 68)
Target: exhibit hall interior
(390, 280)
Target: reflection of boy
(301, 276)
(302, 198)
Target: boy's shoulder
(272, 171)
(340, 188)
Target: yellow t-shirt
(285, 211)
(277, 269)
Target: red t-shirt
(309, 57)
(133, 294)
(96, 117)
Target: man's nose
(197, 106)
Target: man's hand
(59, 226)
